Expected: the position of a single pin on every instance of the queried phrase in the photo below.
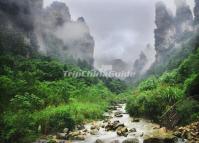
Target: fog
(121, 29)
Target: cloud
(121, 29)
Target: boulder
(80, 127)
(131, 140)
(76, 136)
(160, 139)
(66, 130)
(51, 141)
(93, 127)
(135, 120)
(122, 131)
(118, 114)
(94, 132)
(132, 130)
(79, 137)
(99, 141)
(189, 132)
(61, 136)
(112, 126)
(115, 141)
(118, 126)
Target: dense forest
(38, 100)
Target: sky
(121, 28)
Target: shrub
(192, 86)
(53, 119)
(153, 103)
(169, 77)
(188, 109)
(149, 84)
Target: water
(143, 127)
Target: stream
(142, 128)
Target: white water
(143, 128)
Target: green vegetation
(37, 99)
(155, 95)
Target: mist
(121, 29)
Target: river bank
(117, 127)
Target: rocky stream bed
(119, 127)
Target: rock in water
(189, 132)
(132, 130)
(94, 132)
(115, 141)
(51, 141)
(122, 131)
(66, 130)
(61, 136)
(99, 141)
(131, 140)
(135, 120)
(161, 139)
(118, 114)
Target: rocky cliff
(20, 17)
(49, 30)
(165, 31)
(172, 31)
(196, 12)
(184, 18)
(64, 38)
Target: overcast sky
(121, 28)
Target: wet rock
(115, 141)
(51, 141)
(177, 134)
(85, 130)
(99, 141)
(160, 140)
(118, 126)
(95, 127)
(94, 132)
(189, 132)
(132, 130)
(80, 127)
(156, 127)
(122, 131)
(131, 140)
(61, 136)
(118, 114)
(66, 130)
(112, 126)
(136, 120)
(161, 136)
(142, 134)
(106, 120)
(76, 135)
(79, 137)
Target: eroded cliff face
(18, 18)
(61, 37)
(184, 17)
(48, 30)
(196, 12)
(165, 31)
(171, 30)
